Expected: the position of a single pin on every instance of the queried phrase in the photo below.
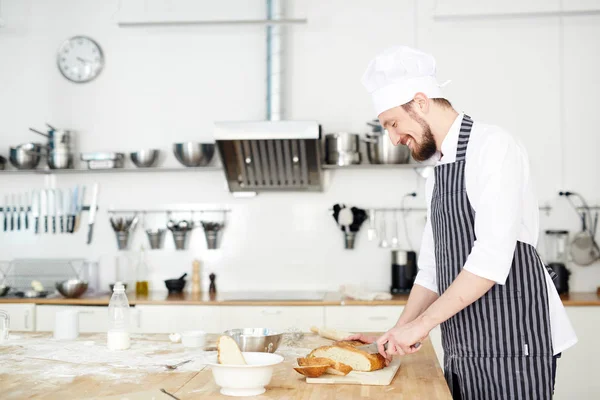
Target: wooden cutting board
(382, 377)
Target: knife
(35, 211)
(59, 210)
(52, 208)
(79, 208)
(18, 207)
(73, 208)
(67, 196)
(372, 347)
(5, 211)
(92, 219)
(44, 208)
(27, 207)
(12, 212)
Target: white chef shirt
(506, 210)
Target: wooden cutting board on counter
(382, 377)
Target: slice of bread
(335, 368)
(358, 360)
(312, 371)
(228, 352)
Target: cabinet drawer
(22, 316)
(169, 319)
(279, 318)
(362, 318)
(91, 318)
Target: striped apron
(499, 347)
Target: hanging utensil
(35, 211)
(383, 236)
(584, 249)
(66, 207)
(52, 208)
(79, 208)
(372, 232)
(18, 212)
(395, 240)
(59, 210)
(12, 213)
(27, 209)
(44, 209)
(5, 211)
(73, 209)
(92, 218)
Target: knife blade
(372, 347)
(35, 211)
(92, 218)
(58, 203)
(52, 208)
(27, 208)
(5, 211)
(18, 207)
(79, 207)
(68, 195)
(44, 208)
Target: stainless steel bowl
(262, 340)
(145, 158)
(381, 150)
(60, 159)
(193, 154)
(26, 156)
(72, 288)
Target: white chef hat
(395, 75)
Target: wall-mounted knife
(59, 210)
(44, 208)
(12, 213)
(79, 207)
(27, 209)
(52, 208)
(92, 219)
(5, 211)
(73, 209)
(18, 207)
(35, 211)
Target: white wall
(536, 76)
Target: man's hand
(403, 339)
(369, 339)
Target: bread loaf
(358, 360)
(335, 368)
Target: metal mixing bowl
(72, 288)
(26, 156)
(145, 158)
(193, 154)
(256, 339)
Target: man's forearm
(419, 300)
(466, 288)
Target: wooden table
(22, 375)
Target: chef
(503, 324)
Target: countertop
(34, 365)
(261, 299)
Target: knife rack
(28, 209)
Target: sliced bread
(228, 352)
(335, 368)
(312, 371)
(358, 360)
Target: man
(480, 277)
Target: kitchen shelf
(107, 170)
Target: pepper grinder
(213, 287)
(196, 285)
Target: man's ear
(421, 102)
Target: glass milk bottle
(118, 319)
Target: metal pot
(342, 148)
(60, 159)
(381, 150)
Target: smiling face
(405, 126)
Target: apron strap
(463, 138)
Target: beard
(426, 148)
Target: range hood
(274, 154)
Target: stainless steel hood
(275, 154)
(270, 155)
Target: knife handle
(18, 222)
(5, 222)
(37, 225)
(46, 224)
(53, 224)
(62, 224)
(12, 221)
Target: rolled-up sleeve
(501, 175)
(426, 276)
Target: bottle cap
(118, 286)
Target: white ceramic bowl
(193, 338)
(245, 380)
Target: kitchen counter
(34, 365)
(261, 299)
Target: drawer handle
(85, 312)
(378, 318)
(271, 312)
